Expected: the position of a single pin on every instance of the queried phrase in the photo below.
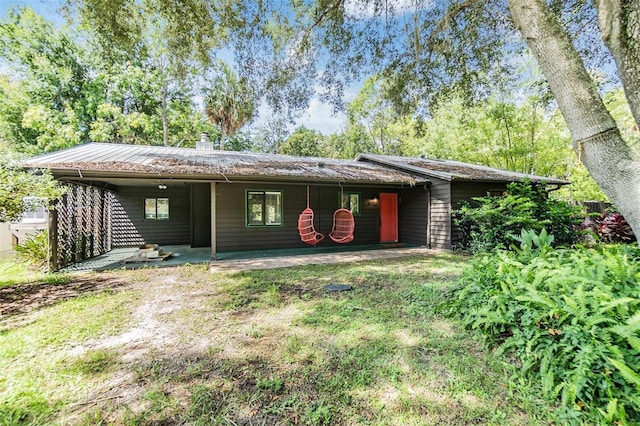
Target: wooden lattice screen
(80, 226)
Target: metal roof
(106, 160)
(453, 170)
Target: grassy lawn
(12, 273)
(183, 346)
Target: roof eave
(549, 181)
(79, 174)
(453, 177)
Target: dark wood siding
(440, 226)
(233, 234)
(466, 191)
(367, 223)
(131, 229)
(189, 221)
(412, 215)
(201, 215)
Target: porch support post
(53, 241)
(428, 216)
(213, 221)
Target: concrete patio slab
(237, 265)
(115, 259)
(243, 261)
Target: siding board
(233, 234)
(440, 214)
(201, 215)
(190, 216)
(131, 229)
(412, 216)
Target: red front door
(388, 218)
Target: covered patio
(117, 259)
(222, 201)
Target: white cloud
(319, 116)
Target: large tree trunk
(223, 136)
(596, 139)
(619, 22)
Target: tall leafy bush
(570, 318)
(490, 222)
(34, 251)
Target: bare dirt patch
(24, 298)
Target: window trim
(347, 195)
(264, 205)
(155, 217)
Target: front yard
(183, 346)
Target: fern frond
(630, 375)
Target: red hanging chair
(343, 223)
(306, 229)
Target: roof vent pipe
(204, 143)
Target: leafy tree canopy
(304, 142)
(18, 183)
(66, 89)
(291, 50)
(182, 31)
(423, 51)
(49, 103)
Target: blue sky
(46, 8)
(318, 116)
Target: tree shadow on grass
(25, 298)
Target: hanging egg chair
(306, 228)
(343, 226)
(343, 223)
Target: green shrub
(34, 251)
(569, 318)
(490, 222)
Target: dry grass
(182, 346)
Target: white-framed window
(156, 208)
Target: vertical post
(53, 240)
(101, 227)
(428, 216)
(82, 216)
(213, 221)
(108, 206)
